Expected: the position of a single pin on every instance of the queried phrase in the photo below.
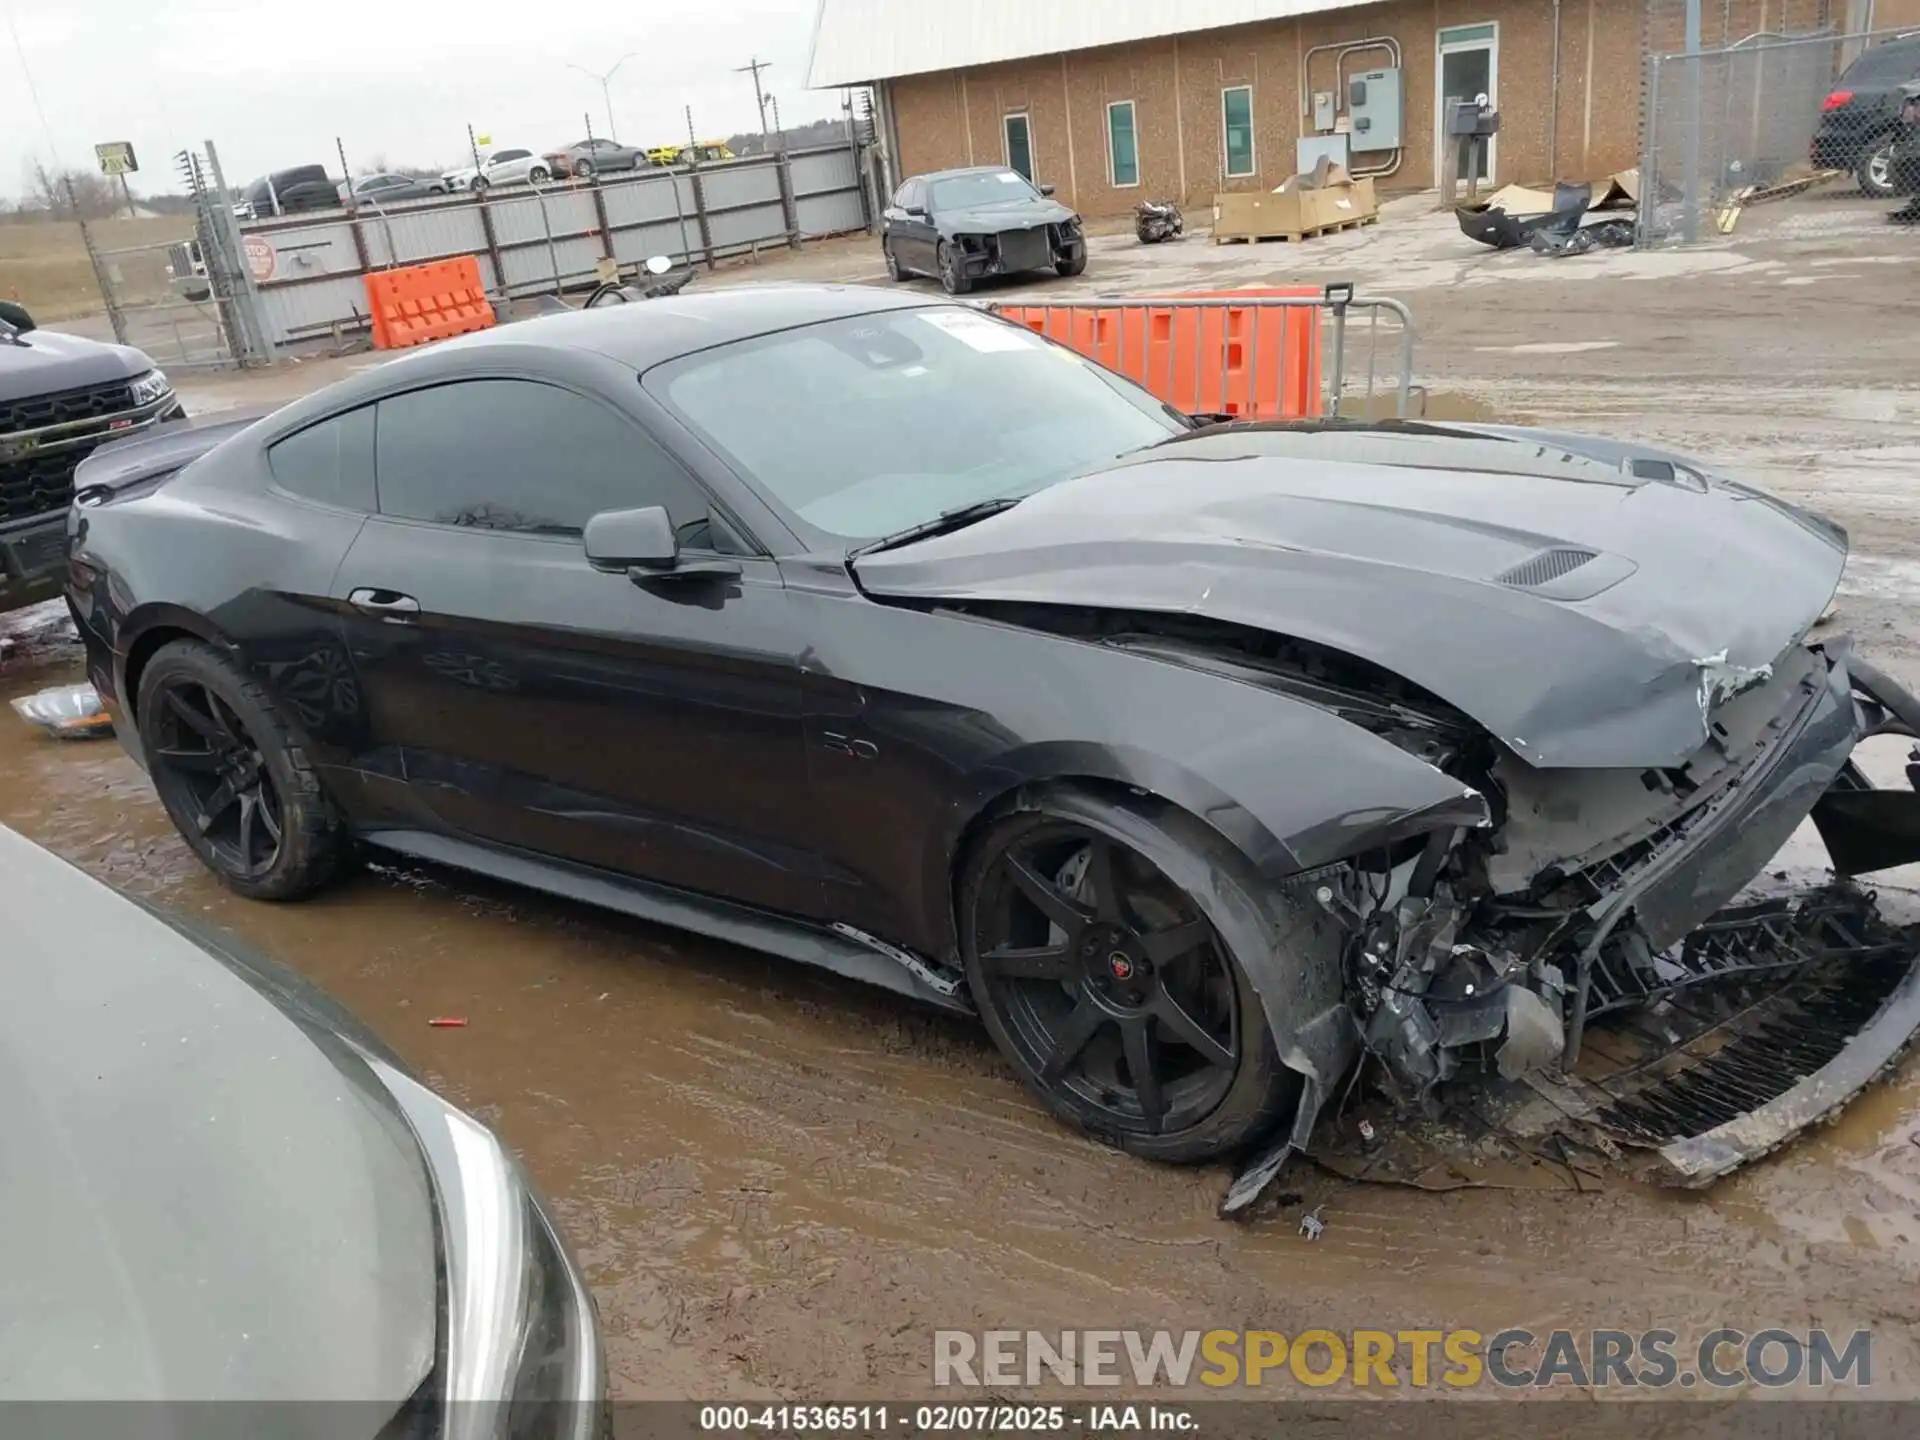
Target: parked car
(706, 152)
(1200, 759)
(502, 167)
(1860, 118)
(290, 192)
(586, 158)
(60, 397)
(965, 225)
(388, 189)
(310, 1222)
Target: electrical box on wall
(1373, 107)
(1323, 110)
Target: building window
(1020, 145)
(1123, 148)
(1236, 119)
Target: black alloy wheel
(1113, 993)
(953, 270)
(233, 779)
(209, 769)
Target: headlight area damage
(1573, 974)
(1612, 652)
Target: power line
(33, 90)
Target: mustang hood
(991, 219)
(1589, 603)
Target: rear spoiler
(156, 453)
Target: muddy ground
(781, 1184)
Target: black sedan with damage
(961, 226)
(1215, 766)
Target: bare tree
(71, 194)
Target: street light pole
(606, 88)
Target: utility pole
(1691, 181)
(759, 96)
(606, 88)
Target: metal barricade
(1257, 355)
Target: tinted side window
(331, 462)
(519, 455)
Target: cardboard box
(1298, 208)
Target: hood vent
(1545, 568)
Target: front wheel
(894, 272)
(236, 783)
(1108, 987)
(583, 169)
(953, 270)
(539, 175)
(1076, 265)
(478, 184)
(1875, 171)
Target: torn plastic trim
(1700, 1159)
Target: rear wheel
(953, 271)
(235, 782)
(1109, 988)
(1875, 171)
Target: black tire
(190, 691)
(1076, 266)
(539, 174)
(894, 271)
(953, 276)
(583, 169)
(478, 185)
(1874, 173)
(1042, 996)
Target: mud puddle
(782, 1184)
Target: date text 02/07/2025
(1112, 1419)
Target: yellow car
(707, 152)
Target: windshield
(868, 425)
(963, 192)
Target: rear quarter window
(330, 463)
(1890, 63)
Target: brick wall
(956, 118)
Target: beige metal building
(1113, 101)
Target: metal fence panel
(1716, 121)
(308, 270)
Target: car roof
(647, 333)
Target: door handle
(388, 604)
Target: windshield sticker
(977, 331)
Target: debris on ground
(66, 712)
(1548, 221)
(1311, 1225)
(448, 1022)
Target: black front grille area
(63, 407)
(39, 484)
(40, 481)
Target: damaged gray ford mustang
(1243, 778)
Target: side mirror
(1046, 189)
(914, 212)
(643, 538)
(657, 265)
(643, 543)
(17, 317)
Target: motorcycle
(1157, 220)
(662, 284)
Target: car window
(331, 462)
(1892, 62)
(510, 155)
(866, 425)
(520, 455)
(995, 187)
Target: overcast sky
(272, 82)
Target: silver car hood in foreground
(207, 1200)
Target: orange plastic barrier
(418, 303)
(1261, 362)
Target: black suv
(1860, 118)
(291, 192)
(60, 398)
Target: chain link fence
(1724, 123)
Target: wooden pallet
(1311, 233)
